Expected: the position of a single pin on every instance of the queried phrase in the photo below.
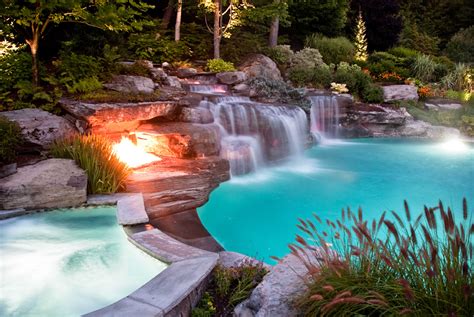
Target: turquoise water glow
(68, 263)
(257, 214)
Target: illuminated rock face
(117, 117)
(179, 139)
(53, 183)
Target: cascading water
(324, 116)
(253, 134)
(211, 89)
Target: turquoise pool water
(257, 214)
(68, 263)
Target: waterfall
(254, 134)
(211, 89)
(324, 116)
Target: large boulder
(195, 115)
(231, 78)
(186, 72)
(53, 183)
(131, 84)
(40, 128)
(117, 117)
(421, 129)
(259, 65)
(276, 294)
(400, 92)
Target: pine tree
(360, 39)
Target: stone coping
(175, 290)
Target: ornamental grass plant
(94, 154)
(416, 266)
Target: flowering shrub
(339, 88)
(425, 92)
(390, 76)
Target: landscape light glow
(132, 154)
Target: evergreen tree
(360, 42)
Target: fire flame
(133, 155)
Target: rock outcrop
(116, 117)
(400, 92)
(259, 65)
(53, 183)
(363, 120)
(40, 128)
(131, 84)
(231, 78)
(175, 185)
(275, 295)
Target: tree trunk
(167, 15)
(274, 26)
(177, 27)
(273, 37)
(217, 27)
(34, 45)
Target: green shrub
(73, 67)
(372, 94)
(322, 76)
(219, 65)
(301, 76)
(383, 62)
(280, 54)
(403, 52)
(333, 50)
(420, 266)
(249, 43)
(14, 67)
(163, 49)
(136, 69)
(94, 154)
(29, 96)
(423, 68)
(228, 287)
(306, 58)
(85, 85)
(10, 140)
(460, 47)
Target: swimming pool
(257, 214)
(68, 263)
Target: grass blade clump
(396, 265)
(94, 154)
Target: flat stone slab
(177, 286)
(165, 248)
(127, 307)
(117, 117)
(52, 183)
(40, 128)
(131, 210)
(170, 287)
